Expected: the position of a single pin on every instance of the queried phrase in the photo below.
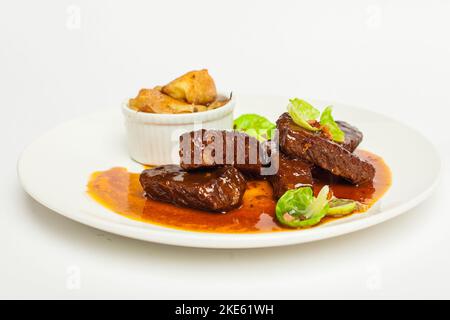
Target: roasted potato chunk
(220, 102)
(154, 101)
(195, 87)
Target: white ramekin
(153, 139)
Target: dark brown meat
(292, 173)
(217, 190)
(353, 136)
(212, 148)
(318, 149)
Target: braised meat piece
(316, 148)
(212, 148)
(292, 173)
(217, 190)
(353, 136)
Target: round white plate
(55, 169)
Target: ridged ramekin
(153, 139)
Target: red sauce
(121, 192)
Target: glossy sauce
(121, 192)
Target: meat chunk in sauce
(217, 190)
(318, 149)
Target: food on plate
(307, 139)
(353, 136)
(255, 126)
(219, 102)
(154, 101)
(292, 173)
(340, 207)
(217, 190)
(299, 208)
(315, 147)
(195, 87)
(193, 92)
(299, 172)
(305, 143)
(305, 115)
(212, 148)
(121, 192)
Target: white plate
(55, 169)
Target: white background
(62, 59)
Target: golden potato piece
(154, 101)
(195, 87)
(220, 102)
(151, 101)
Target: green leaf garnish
(302, 112)
(326, 120)
(340, 207)
(255, 125)
(299, 207)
